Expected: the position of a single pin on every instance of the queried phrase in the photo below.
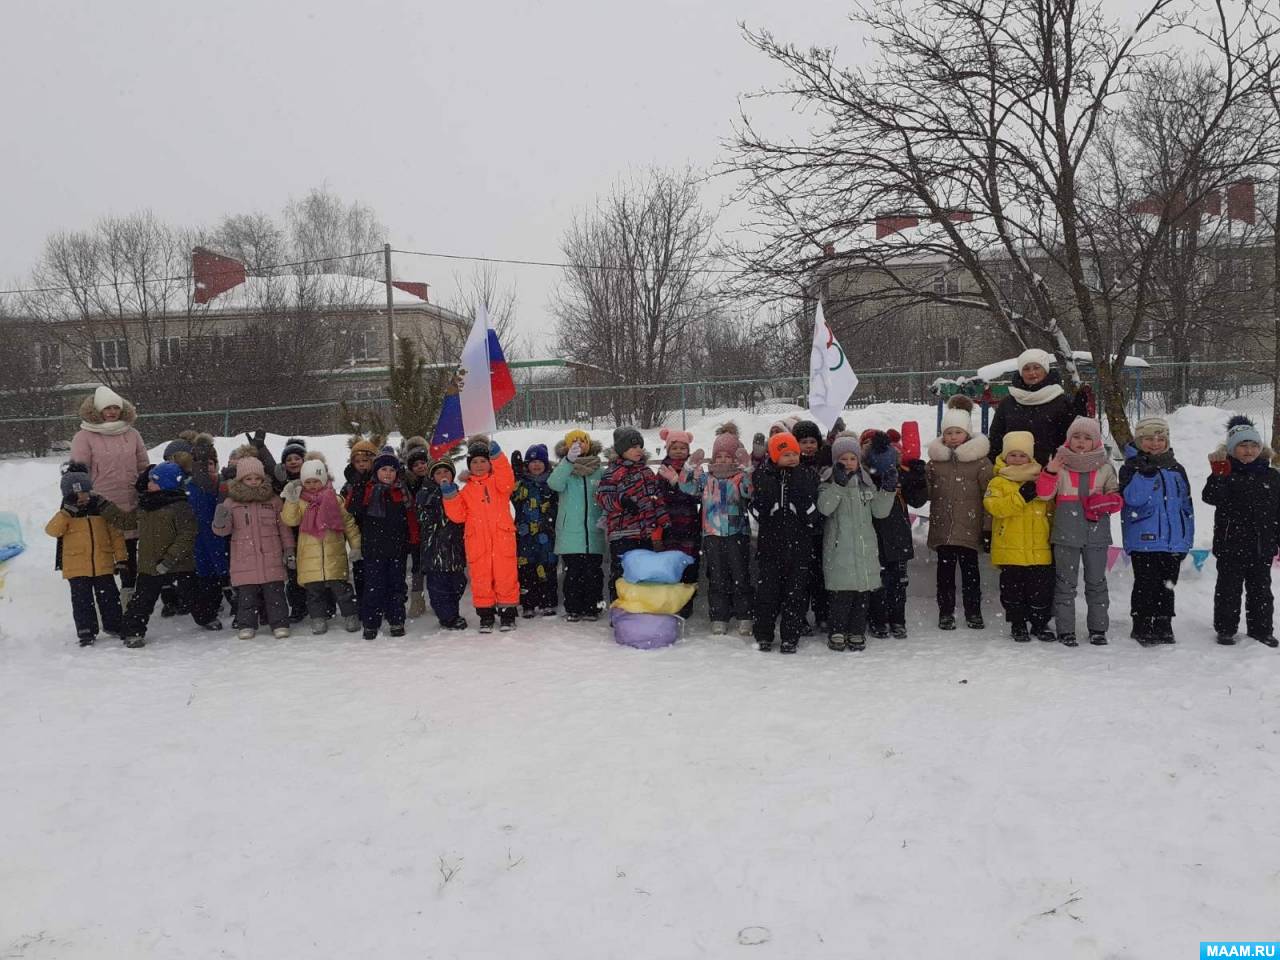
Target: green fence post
(528, 415)
(226, 423)
(683, 425)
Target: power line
(560, 265)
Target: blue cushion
(648, 566)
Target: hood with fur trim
(92, 416)
(594, 449)
(975, 448)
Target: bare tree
(255, 239)
(482, 286)
(634, 289)
(980, 123)
(327, 230)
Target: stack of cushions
(650, 595)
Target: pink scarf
(323, 515)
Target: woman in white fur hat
(1038, 404)
(113, 453)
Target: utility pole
(391, 311)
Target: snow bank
(550, 794)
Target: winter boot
(1163, 629)
(591, 616)
(856, 644)
(319, 625)
(1144, 631)
(946, 621)
(878, 630)
(1067, 640)
(528, 612)
(397, 629)
(213, 626)
(974, 621)
(280, 633)
(572, 617)
(836, 641)
(134, 642)
(1269, 640)
(247, 633)
(1098, 639)
(351, 624)
(719, 628)
(1045, 635)
(764, 645)
(457, 623)
(86, 638)
(744, 628)
(898, 631)
(806, 628)
(370, 633)
(1227, 639)
(487, 619)
(1020, 634)
(297, 616)
(788, 646)
(168, 609)
(548, 611)
(507, 619)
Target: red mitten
(910, 441)
(1099, 505)
(1220, 468)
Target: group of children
(834, 532)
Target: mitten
(628, 504)
(696, 458)
(494, 449)
(574, 451)
(839, 474)
(161, 568)
(986, 541)
(669, 475)
(221, 515)
(759, 446)
(71, 507)
(354, 555)
(292, 492)
(517, 461)
(291, 561)
(656, 536)
(742, 458)
(449, 489)
(1099, 505)
(1028, 491)
(1220, 468)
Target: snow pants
(321, 596)
(782, 592)
(84, 592)
(384, 592)
(1253, 577)
(817, 585)
(538, 586)
(888, 605)
(728, 577)
(948, 558)
(849, 612)
(272, 595)
(444, 591)
(1066, 564)
(1027, 595)
(583, 583)
(494, 581)
(146, 592)
(1154, 577)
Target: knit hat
(726, 440)
(387, 458)
(577, 436)
(959, 414)
(478, 447)
(1240, 429)
(314, 470)
(76, 481)
(1151, 427)
(176, 447)
(807, 430)
(781, 443)
(364, 446)
(777, 427)
(1035, 355)
(626, 438)
(168, 476)
(1086, 427)
(294, 447)
(416, 455)
(670, 435)
(105, 397)
(248, 466)
(537, 452)
(846, 443)
(1020, 440)
(447, 464)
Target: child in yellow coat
(325, 531)
(1020, 539)
(90, 553)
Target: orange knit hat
(780, 443)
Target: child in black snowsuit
(388, 525)
(1245, 489)
(443, 556)
(815, 455)
(887, 610)
(684, 533)
(784, 501)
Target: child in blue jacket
(1158, 521)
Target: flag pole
(391, 311)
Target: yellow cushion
(653, 597)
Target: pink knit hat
(670, 435)
(247, 466)
(726, 440)
(1087, 427)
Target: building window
(168, 351)
(1240, 272)
(946, 350)
(50, 357)
(364, 345)
(946, 284)
(110, 355)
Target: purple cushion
(645, 631)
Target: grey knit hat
(626, 438)
(1151, 427)
(1240, 429)
(845, 443)
(76, 481)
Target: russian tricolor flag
(473, 400)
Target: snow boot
(487, 619)
(528, 613)
(1045, 635)
(719, 628)
(1098, 639)
(457, 623)
(1162, 628)
(397, 629)
(1269, 640)
(86, 638)
(572, 617)
(946, 621)
(1020, 634)
(765, 645)
(878, 630)
(788, 646)
(247, 633)
(280, 633)
(856, 644)
(351, 624)
(591, 616)
(213, 626)
(1144, 631)
(1227, 639)
(506, 619)
(1067, 640)
(297, 616)
(319, 625)
(806, 628)
(548, 611)
(370, 634)
(836, 641)
(974, 621)
(167, 609)
(898, 631)
(744, 628)
(133, 643)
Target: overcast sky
(474, 128)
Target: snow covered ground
(548, 793)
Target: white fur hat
(105, 397)
(959, 413)
(314, 470)
(1035, 355)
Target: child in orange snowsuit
(483, 506)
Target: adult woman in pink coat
(113, 453)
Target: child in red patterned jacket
(632, 502)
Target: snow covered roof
(1005, 368)
(327, 289)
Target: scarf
(1046, 391)
(1257, 468)
(241, 492)
(112, 429)
(323, 515)
(1161, 461)
(585, 465)
(1021, 473)
(379, 494)
(1083, 462)
(724, 471)
(159, 499)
